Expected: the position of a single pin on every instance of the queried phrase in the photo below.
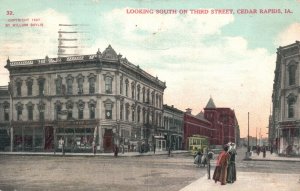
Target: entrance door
(108, 140)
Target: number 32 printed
(9, 13)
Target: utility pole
(256, 136)
(248, 148)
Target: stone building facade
(284, 130)
(173, 128)
(89, 101)
(4, 118)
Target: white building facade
(90, 101)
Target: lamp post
(248, 147)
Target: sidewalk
(126, 154)
(249, 181)
(273, 157)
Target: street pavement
(250, 181)
(126, 154)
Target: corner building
(284, 129)
(98, 100)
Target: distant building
(98, 100)
(284, 130)
(224, 123)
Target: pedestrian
(198, 158)
(154, 147)
(231, 170)
(169, 151)
(220, 173)
(94, 148)
(116, 150)
(271, 149)
(264, 151)
(258, 150)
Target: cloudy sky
(229, 57)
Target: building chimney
(189, 111)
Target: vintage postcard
(149, 95)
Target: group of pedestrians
(263, 149)
(225, 171)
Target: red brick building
(196, 125)
(224, 123)
(218, 124)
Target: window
(41, 108)
(121, 85)
(69, 85)
(92, 85)
(80, 109)
(30, 111)
(19, 108)
(108, 84)
(58, 107)
(138, 114)
(121, 111)
(6, 111)
(148, 96)
(69, 107)
(19, 87)
(144, 115)
(108, 111)
(126, 87)
(58, 83)
(292, 74)
(152, 98)
(132, 90)
(92, 109)
(80, 80)
(144, 94)
(138, 92)
(133, 112)
(127, 112)
(291, 105)
(29, 83)
(41, 83)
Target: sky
(229, 57)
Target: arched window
(132, 90)
(19, 86)
(58, 83)
(69, 79)
(108, 84)
(69, 107)
(292, 74)
(92, 108)
(80, 106)
(30, 111)
(291, 99)
(138, 92)
(133, 112)
(41, 83)
(41, 108)
(121, 85)
(121, 110)
(92, 80)
(138, 114)
(80, 80)
(126, 87)
(29, 83)
(127, 111)
(19, 108)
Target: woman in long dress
(231, 170)
(220, 173)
